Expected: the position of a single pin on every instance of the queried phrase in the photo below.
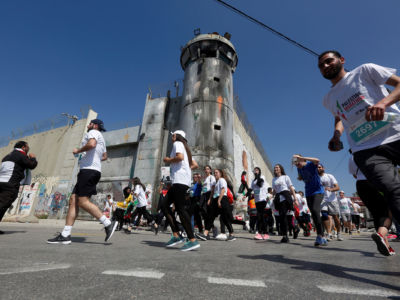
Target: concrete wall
(246, 154)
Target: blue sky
(57, 56)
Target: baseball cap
(99, 123)
(180, 132)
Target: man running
(362, 107)
(93, 149)
(330, 204)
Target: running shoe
(339, 237)
(221, 237)
(110, 230)
(258, 237)
(329, 237)
(174, 241)
(188, 246)
(391, 251)
(231, 238)
(285, 239)
(265, 237)
(320, 241)
(202, 236)
(380, 244)
(60, 239)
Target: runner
(140, 197)
(284, 191)
(364, 109)
(344, 204)
(330, 204)
(181, 165)
(260, 190)
(308, 172)
(94, 152)
(355, 215)
(303, 218)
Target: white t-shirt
(92, 159)
(221, 183)
(208, 183)
(280, 184)
(344, 204)
(356, 210)
(140, 196)
(260, 193)
(270, 200)
(180, 172)
(328, 180)
(354, 170)
(302, 204)
(349, 99)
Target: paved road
(138, 266)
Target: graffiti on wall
(53, 200)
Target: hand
(75, 151)
(335, 143)
(375, 112)
(327, 189)
(219, 204)
(166, 159)
(296, 156)
(31, 155)
(209, 202)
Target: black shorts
(86, 184)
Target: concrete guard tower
(209, 61)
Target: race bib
(216, 195)
(204, 189)
(362, 130)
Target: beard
(334, 71)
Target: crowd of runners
(362, 108)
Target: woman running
(181, 165)
(260, 190)
(284, 191)
(308, 172)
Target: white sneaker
(329, 237)
(221, 237)
(339, 237)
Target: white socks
(67, 231)
(104, 221)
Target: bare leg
(73, 211)
(337, 223)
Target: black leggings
(233, 221)
(284, 207)
(8, 194)
(196, 211)
(224, 211)
(177, 195)
(262, 229)
(375, 202)
(314, 204)
(139, 212)
(119, 217)
(269, 220)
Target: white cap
(180, 132)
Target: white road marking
(143, 273)
(240, 282)
(357, 291)
(35, 268)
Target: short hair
(334, 52)
(20, 144)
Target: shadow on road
(155, 244)
(13, 232)
(83, 240)
(329, 269)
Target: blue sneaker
(190, 245)
(320, 241)
(174, 241)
